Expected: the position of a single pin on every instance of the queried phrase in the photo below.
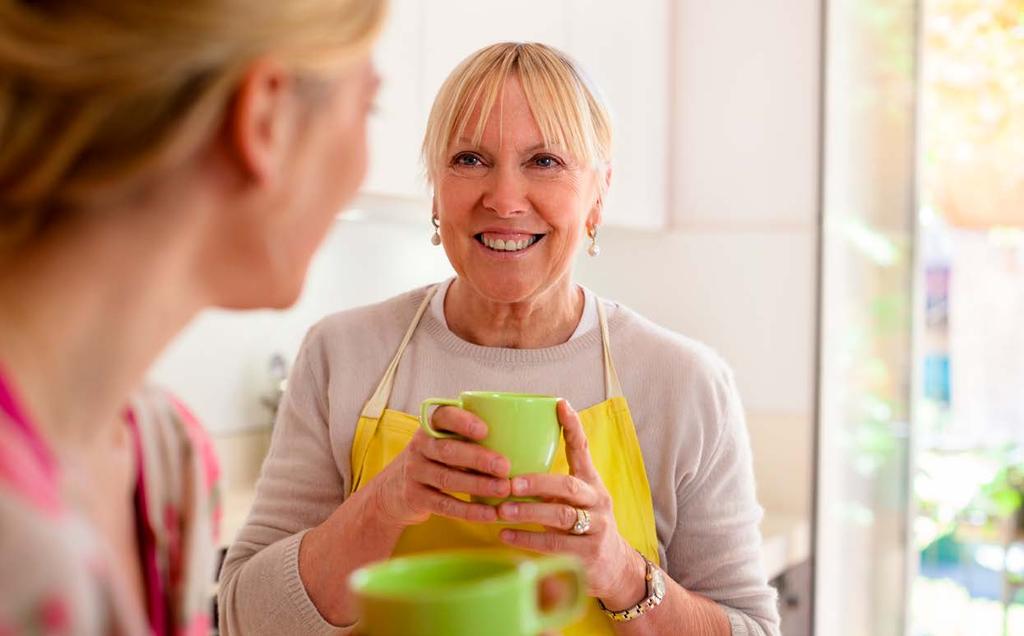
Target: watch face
(658, 583)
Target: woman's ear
(597, 211)
(261, 121)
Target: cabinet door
(452, 29)
(625, 48)
(396, 128)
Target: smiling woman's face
(512, 211)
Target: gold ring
(582, 524)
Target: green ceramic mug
(524, 428)
(464, 593)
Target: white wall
(750, 296)
(743, 293)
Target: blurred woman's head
(253, 112)
(518, 151)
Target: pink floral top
(54, 575)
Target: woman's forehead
(510, 124)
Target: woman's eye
(466, 159)
(546, 161)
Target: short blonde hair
(93, 92)
(570, 111)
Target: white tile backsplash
(748, 295)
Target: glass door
(865, 319)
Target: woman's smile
(509, 244)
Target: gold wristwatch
(655, 593)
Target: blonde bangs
(570, 113)
(489, 78)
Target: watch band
(655, 581)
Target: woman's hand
(416, 484)
(615, 571)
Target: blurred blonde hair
(569, 109)
(95, 92)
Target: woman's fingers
(460, 422)
(558, 516)
(547, 542)
(459, 454)
(443, 478)
(565, 488)
(554, 592)
(444, 505)
(577, 452)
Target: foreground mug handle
(566, 612)
(425, 419)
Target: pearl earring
(594, 249)
(435, 239)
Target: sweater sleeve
(715, 549)
(299, 487)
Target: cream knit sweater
(682, 397)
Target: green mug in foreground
(464, 593)
(524, 428)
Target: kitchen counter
(786, 542)
(237, 503)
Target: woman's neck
(86, 310)
(546, 320)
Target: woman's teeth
(510, 245)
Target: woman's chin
(285, 297)
(278, 296)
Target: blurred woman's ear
(262, 121)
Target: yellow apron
(383, 433)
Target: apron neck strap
(612, 388)
(374, 408)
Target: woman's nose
(505, 192)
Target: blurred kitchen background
(828, 192)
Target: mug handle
(566, 612)
(425, 420)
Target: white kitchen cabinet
(623, 46)
(452, 29)
(396, 128)
(748, 91)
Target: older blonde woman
(654, 491)
(156, 158)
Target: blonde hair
(95, 92)
(570, 111)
